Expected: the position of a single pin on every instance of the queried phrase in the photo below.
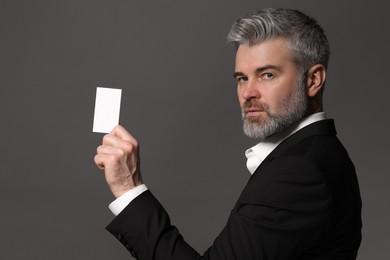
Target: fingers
(107, 161)
(120, 132)
(116, 146)
(111, 140)
(118, 157)
(112, 151)
(99, 161)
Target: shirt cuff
(121, 202)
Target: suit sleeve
(281, 213)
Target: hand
(118, 156)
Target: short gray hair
(306, 37)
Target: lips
(250, 110)
(255, 113)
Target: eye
(241, 79)
(267, 75)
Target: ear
(316, 77)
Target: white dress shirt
(255, 157)
(121, 202)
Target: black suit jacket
(303, 202)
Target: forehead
(274, 52)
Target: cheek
(241, 101)
(272, 99)
(239, 97)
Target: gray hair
(306, 37)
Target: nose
(251, 90)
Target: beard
(288, 111)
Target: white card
(107, 108)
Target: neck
(314, 106)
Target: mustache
(255, 105)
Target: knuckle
(106, 138)
(112, 159)
(99, 149)
(121, 153)
(128, 147)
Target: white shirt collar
(256, 154)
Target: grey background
(179, 101)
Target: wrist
(119, 191)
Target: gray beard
(290, 110)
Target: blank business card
(107, 109)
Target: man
(302, 200)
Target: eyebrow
(238, 74)
(259, 70)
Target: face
(271, 92)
